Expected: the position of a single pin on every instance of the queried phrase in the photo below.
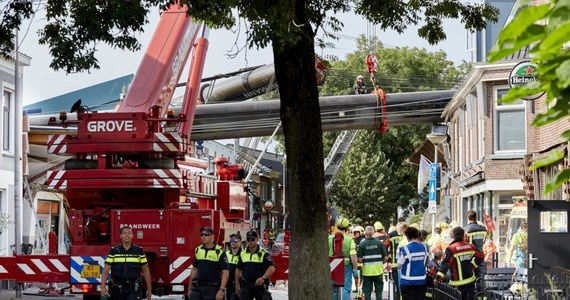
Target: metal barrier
(443, 291)
(516, 286)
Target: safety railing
(443, 291)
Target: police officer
(475, 234)
(253, 270)
(126, 261)
(350, 260)
(209, 270)
(233, 258)
(458, 258)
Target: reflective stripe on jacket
(209, 254)
(461, 257)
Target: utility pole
(17, 158)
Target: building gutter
(470, 81)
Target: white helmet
(359, 77)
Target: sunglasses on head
(205, 234)
(234, 241)
(250, 239)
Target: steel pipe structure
(259, 118)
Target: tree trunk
(309, 271)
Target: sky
(40, 82)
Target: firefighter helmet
(342, 223)
(378, 226)
(358, 229)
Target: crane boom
(156, 78)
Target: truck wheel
(80, 164)
(157, 163)
(91, 297)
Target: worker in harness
(349, 253)
(461, 258)
(475, 234)
(359, 86)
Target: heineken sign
(523, 73)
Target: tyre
(80, 164)
(157, 163)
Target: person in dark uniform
(253, 270)
(233, 258)
(475, 234)
(125, 261)
(209, 274)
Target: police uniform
(253, 266)
(461, 258)
(126, 266)
(233, 261)
(210, 263)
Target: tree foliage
(375, 177)
(545, 29)
(290, 28)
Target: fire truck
(132, 167)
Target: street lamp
(437, 136)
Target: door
(548, 237)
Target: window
(6, 120)
(510, 125)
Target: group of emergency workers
(232, 274)
(216, 273)
(414, 262)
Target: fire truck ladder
(336, 155)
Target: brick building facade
(491, 147)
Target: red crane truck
(128, 169)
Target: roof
(427, 149)
(102, 96)
(270, 160)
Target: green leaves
(554, 155)
(544, 28)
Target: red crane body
(129, 169)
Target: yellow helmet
(359, 229)
(378, 226)
(342, 223)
